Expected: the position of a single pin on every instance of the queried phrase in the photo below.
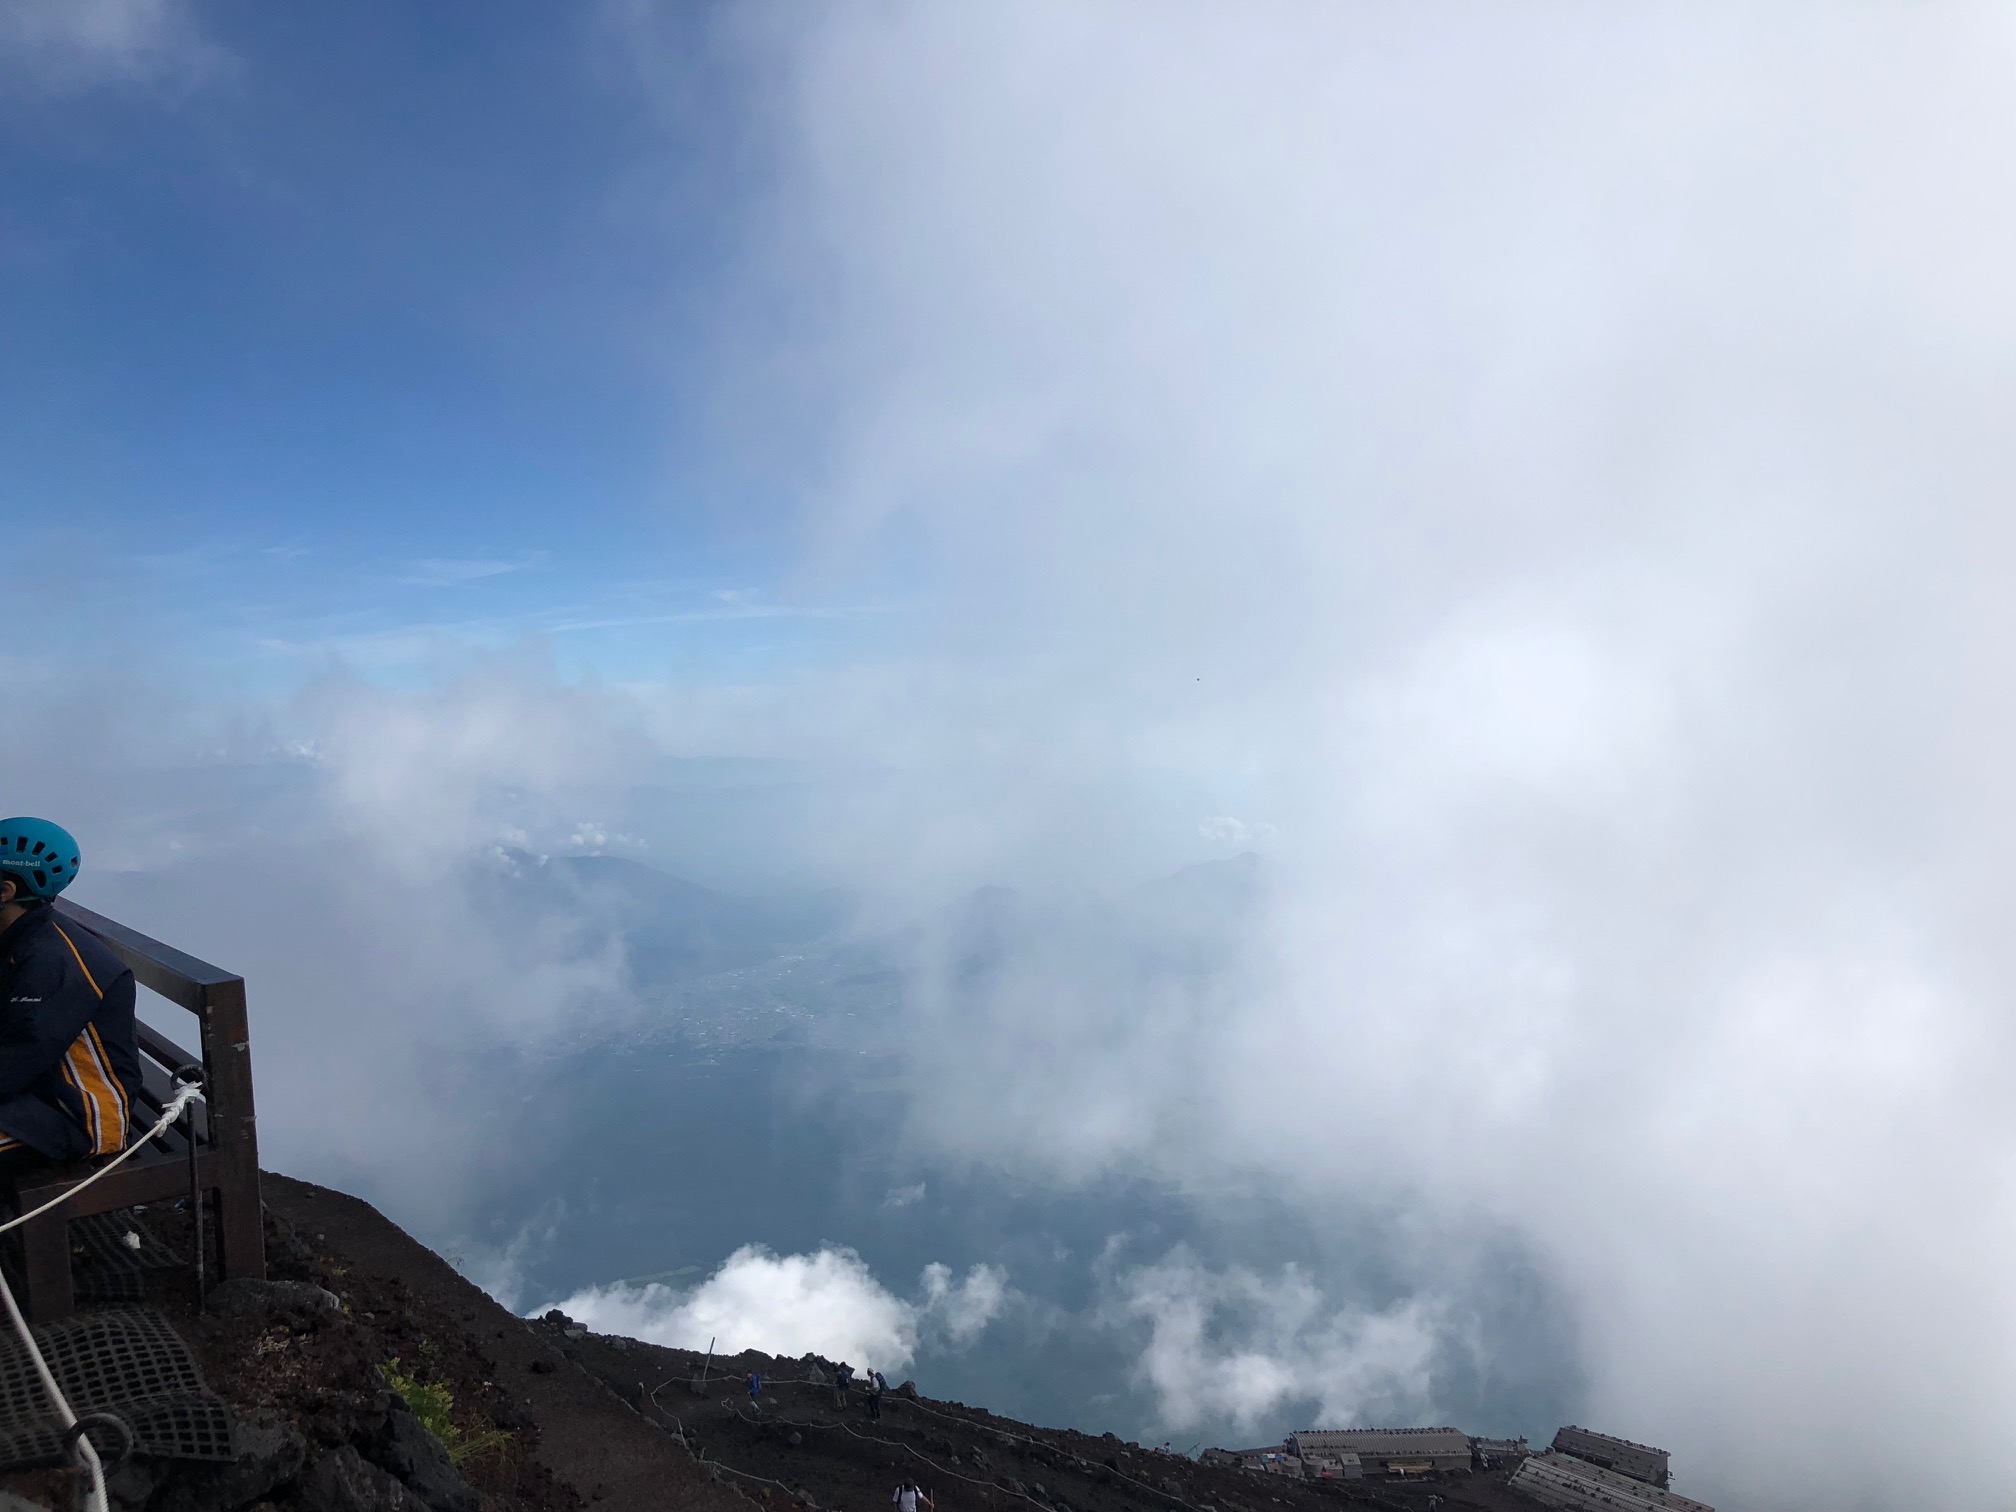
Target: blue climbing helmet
(41, 857)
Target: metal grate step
(103, 1266)
(111, 1254)
(128, 1361)
(103, 1236)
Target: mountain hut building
(1639, 1461)
(1391, 1450)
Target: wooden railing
(225, 1131)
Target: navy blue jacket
(69, 1061)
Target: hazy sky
(1540, 474)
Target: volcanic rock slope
(554, 1418)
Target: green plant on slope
(434, 1405)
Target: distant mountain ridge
(1188, 923)
(671, 929)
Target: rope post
(704, 1364)
(193, 1076)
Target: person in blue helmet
(69, 1057)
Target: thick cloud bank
(1236, 1344)
(824, 1303)
(1539, 476)
(1551, 466)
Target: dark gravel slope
(556, 1419)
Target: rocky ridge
(545, 1416)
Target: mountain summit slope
(358, 1320)
(552, 1418)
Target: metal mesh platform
(105, 1265)
(110, 1255)
(122, 1239)
(99, 1283)
(127, 1361)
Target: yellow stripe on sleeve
(80, 963)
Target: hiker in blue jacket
(69, 1058)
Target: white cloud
(54, 46)
(326, 850)
(963, 1308)
(904, 1196)
(593, 836)
(1236, 1344)
(824, 1303)
(450, 572)
(1554, 464)
(1223, 829)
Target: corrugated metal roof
(1640, 1460)
(1563, 1481)
(1386, 1441)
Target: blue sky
(378, 330)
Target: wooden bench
(226, 1132)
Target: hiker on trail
(880, 1383)
(872, 1393)
(69, 1058)
(755, 1390)
(843, 1382)
(908, 1495)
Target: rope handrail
(918, 1402)
(1078, 1461)
(990, 1485)
(887, 1444)
(679, 1428)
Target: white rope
(1078, 1460)
(85, 1450)
(189, 1092)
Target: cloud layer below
(1551, 468)
(1238, 1345)
(825, 1303)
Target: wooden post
(234, 1130)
